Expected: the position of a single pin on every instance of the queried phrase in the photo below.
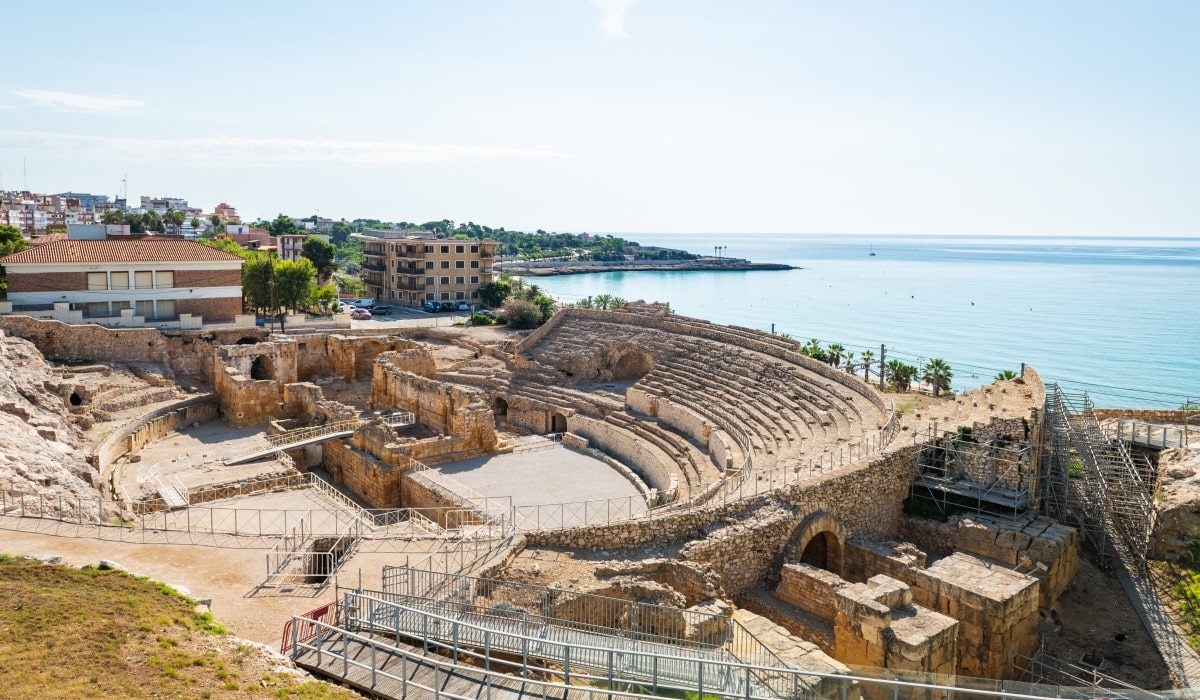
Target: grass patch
(88, 633)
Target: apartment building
(156, 280)
(227, 213)
(408, 270)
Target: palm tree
(533, 291)
(938, 373)
(603, 301)
(849, 357)
(836, 350)
(1005, 375)
(616, 303)
(868, 358)
(900, 374)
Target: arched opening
(632, 364)
(500, 409)
(818, 541)
(247, 340)
(823, 551)
(261, 368)
(558, 423)
(76, 399)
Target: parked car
(464, 306)
(345, 308)
(360, 315)
(487, 312)
(432, 307)
(381, 311)
(363, 303)
(448, 306)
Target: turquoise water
(1119, 318)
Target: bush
(479, 320)
(521, 314)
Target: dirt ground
(1095, 617)
(229, 577)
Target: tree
(11, 241)
(324, 298)
(258, 285)
(294, 283)
(814, 350)
(900, 374)
(616, 303)
(938, 374)
(112, 217)
(521, 313)
(836, 350)
(495, 293)
(196, 223)
(151, 221)
(322, 255)
(218, 224)
(546, 305)
(868, 359)
(1005, 374)
(282, 226)
(175, 219)
(603, 301)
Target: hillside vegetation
(88, 633)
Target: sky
(964, 118)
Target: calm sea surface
(1118, 318)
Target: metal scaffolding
(1092, 481)
(958, 470)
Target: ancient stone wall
(866, 499)
(435, 502)
(1023, 544)
(743, 553)
(61, 341)
(132, 436)
(376, 483)
(446, 407)
(655, 467)
(685, 421)
(1147, 415)
(810, 589)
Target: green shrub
(479, 320)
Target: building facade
(159, 281)
(406, 270)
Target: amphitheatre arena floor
(550, 474)
(196, 456)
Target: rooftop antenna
(25, 172)
(125, 181)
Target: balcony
(377, 267)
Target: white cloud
(613, 22)
(74, 102)
(239, 151)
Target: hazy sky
(975, 117)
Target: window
(474, 279)
(461, 295)
(119, 306)
(445, 280)
(474, 249)
(445, 296)
(97, 280)
(428, 280)
(428, 264)
(475, 294)
(118, 280)
(458, 280)
(166, 308)
(445, 264)
(445, 249)
(429, 296)
(428, 249)
(143, 279)
(144, 308)
(460, 264)
(95, 309)
(458, 249)
(474, 264)
(164, 279)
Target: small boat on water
(872, 253)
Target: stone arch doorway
(558, 423)
(500, 410)
(819, 541)
(262, 368)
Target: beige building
(406, 270)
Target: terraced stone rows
(700, 466)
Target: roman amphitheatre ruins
(619, 502)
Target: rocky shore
(581, 268)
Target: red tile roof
(110, 251)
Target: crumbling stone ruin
(774, 484)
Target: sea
(1118, 318)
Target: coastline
(536, 270)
